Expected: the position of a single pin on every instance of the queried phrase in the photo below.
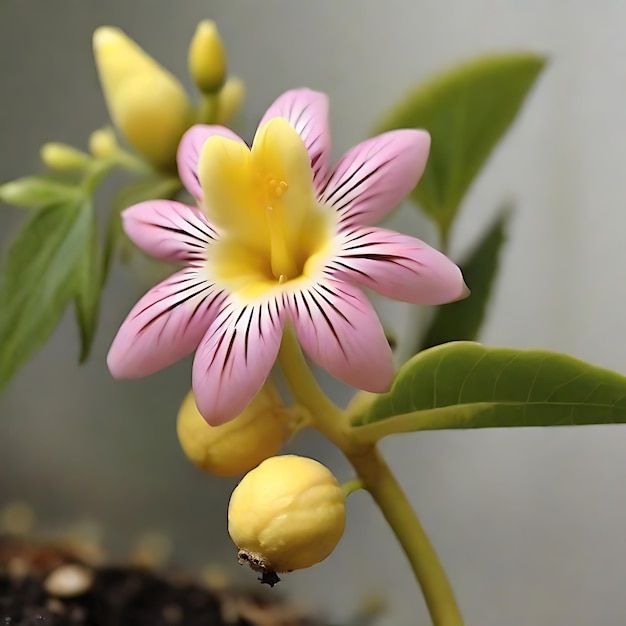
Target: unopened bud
(60, 156)
(239, 445)
(147, 104)
(102, 143)
(207, 58)
(289, 513)
(229, 100)
(34, 192)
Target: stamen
(283, 265)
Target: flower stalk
(382, 485)
(376, 477)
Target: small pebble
(18, 567)
(17, 518)
(172, 614)
(216, 578)
(68, 581)
(153, 549)
(55, 606)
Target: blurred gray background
(529, 523)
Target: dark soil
(115, 595)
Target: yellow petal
(231, 195)
(279, 154)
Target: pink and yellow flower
(279, 236)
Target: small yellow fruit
(207, 58)
(289, 513)
(239, 445)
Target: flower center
(263, 202)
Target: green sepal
(467, 385)
(462, 320)
(467, 111)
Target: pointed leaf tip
(467, 110)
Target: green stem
(207, 110)
(307, 392)
(444, 238)
(131, 163)
(375, 476)
(350, 486)
(98, 169)
(384, 488)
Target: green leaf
(466, 385)
(39, 280)
(466, 111)
(463, 319)
(89, 288)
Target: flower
(279, 237)
(289, 513)
(147, 104)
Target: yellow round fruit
(289, 513)
(239, 445)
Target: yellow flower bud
(289, 513)
(229, 100)
(102, 143)
(207, 58)
(147, 104)
(60, 156)
(239, 445)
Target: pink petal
(307, 112)
(398, 266)
(169, 230)
(234, 359)
(337, 326)
(164, 326)
(374, 177)
(189, 150)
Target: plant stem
(384, 488)
(444, 236)
(207, 109)
(326, 416)
(376, 477)
(350, 486)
